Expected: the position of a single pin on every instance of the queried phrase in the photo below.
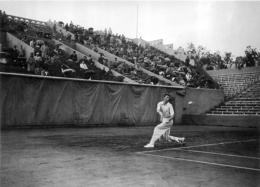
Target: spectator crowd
(51, 60)
(149, 58)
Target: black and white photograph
(128, 93)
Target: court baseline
(148, 153)
(204, 145)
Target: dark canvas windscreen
(36, 101)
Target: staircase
(236, 83)
(246, 102)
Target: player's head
(166, 98)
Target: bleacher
(104, 45)
(236, 83)
(17, 25)
(33, 29)
(245, 102)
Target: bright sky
(227, 26)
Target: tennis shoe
(149, 146)
(181, 140)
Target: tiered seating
(17, 67)
(250, 93)
(246, 102)
(236, 83)
(30, 29)
(42, 28)
(153, 62)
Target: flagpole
(137, 23)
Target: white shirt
(32, 44)
(83, 66)
(165, 109)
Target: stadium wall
(49, 101)
(220, 120)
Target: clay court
(114, 156)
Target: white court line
(220, 154)
(202, 162)
(178, 148)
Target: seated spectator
(21, 52)
(115, 63)
(33, 43)
(30, 63)
(188, 76)
(88, 73)
(61, 35)
(38, 70)
(95, 48)
(38, 60)
(44, 72)
(90, 61)
(162, 73)
(83, 66)
(47, 62)
(66, 27)
(44, 50)
(67, 71)
(68, 37)
(54, 29)
(24, 39)
(56, 50)
(137, 71)
(107, 62)
(73, 56)
(209, 67)
(101, 59)
(154, 80)
(21, 57)
(71, 25)
(49, 66)
(107, 75)
(121, 68)
(83, 59)
(14, 53)
(127, 68)
(39, 43)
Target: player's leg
(177, 139)
(159, 130)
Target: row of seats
(20, 29)
(20, 65)
(234, 84)
(26, 28)
(150, 59)
(245, 103)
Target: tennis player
(162, 131)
